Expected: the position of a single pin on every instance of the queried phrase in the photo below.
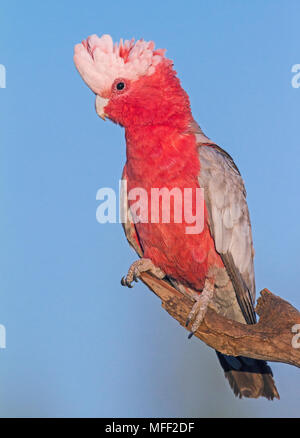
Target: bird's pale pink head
(100, 62)
(134, 83)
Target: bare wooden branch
(270, 339)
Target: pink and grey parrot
(136, 86)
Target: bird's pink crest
(100, 62)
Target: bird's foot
(135, 270)
(199, 309)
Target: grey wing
(128, 224)
(228, 215)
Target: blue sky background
(78, 344)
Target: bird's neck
(160, 154)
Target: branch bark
(270, 339)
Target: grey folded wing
(228, 215)
(128, 223)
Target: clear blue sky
(78, 344)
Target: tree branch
(270, 339)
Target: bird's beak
(100, 104)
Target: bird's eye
(120, 86)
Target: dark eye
(120, 86)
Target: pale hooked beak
(100, 104)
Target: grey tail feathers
(251, 378)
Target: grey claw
(125, 283)
(190, 335)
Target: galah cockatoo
(136, 86)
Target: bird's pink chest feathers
(181, 255)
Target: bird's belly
(184, 257)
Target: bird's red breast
(172, 162)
